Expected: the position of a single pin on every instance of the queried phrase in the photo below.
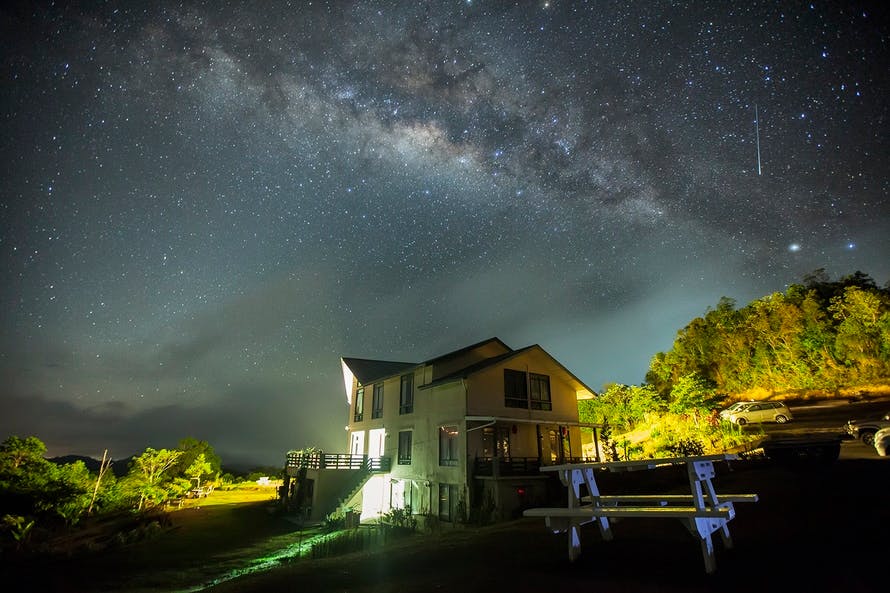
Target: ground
(817, 527)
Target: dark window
(405, 447)
(359, 405)
(515, 389)
(448, 495)
(448, 445)
(406, 399)
(377, 402)
(539, 392)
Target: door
(555, 448)
(357, 447)
(375, 442)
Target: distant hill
(120, 467)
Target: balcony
(336, 461)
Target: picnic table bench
(702, 511)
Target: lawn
(207, 538)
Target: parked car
(737, 406)
(865, 430)
(882, 442)
(761, 412)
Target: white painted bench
(702, 511)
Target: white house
(457, 437)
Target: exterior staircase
(371, 466)
(361, 467)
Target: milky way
(205, 205)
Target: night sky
(205, 205)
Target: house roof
(367, 371)
(479, 366)
(474, 368)
(466, 349)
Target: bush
(401, 519)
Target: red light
(520, 491)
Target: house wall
(434, 407)
(513, 495)
(328, 486)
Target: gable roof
(367, 371)
(465, 349)
(475, 368)
(489, 362)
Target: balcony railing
(507, 466)
(337, 461)
(513, 466)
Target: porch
(496, 467)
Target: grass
(226, 532)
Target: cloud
(252, 423)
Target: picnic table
(702, 510)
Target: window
(448, 495)
(539, 392)
(406, 398)
(515, 389)
(359, 405)
(526, 390)
(448, 445)
(496, 442)
(405, 447)
(377, 401)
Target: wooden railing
(337, 461)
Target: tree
(31, 486)
(17, 452)
(191, 448)
(816, 335)
(621, 406)
(863, 317)
(694, 395)
(149, 471)
(198, 469)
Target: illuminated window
(377, 401)
(539, 392)
(405, 447)
(402, 494)
(406, 398)
(448, 445)
(515, 389)
(359, 412)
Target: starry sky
(206, 204)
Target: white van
(761, 412)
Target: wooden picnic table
(702, 511)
